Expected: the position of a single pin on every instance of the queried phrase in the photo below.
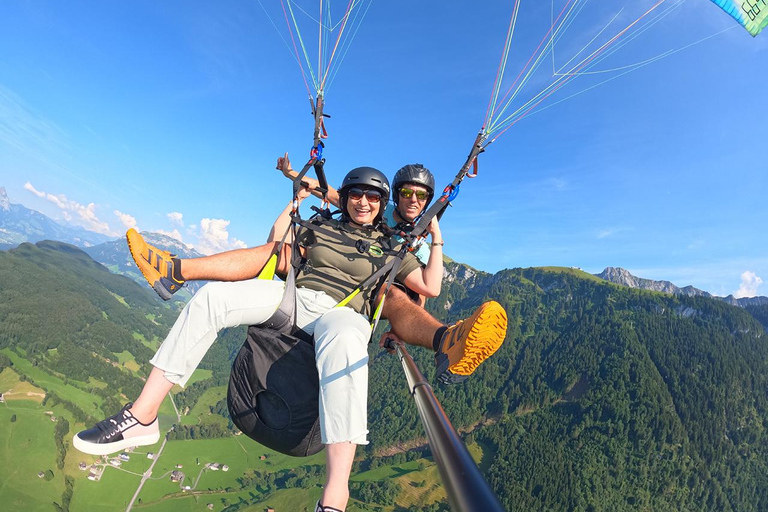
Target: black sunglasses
(372, 195)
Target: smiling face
(363, 205)
(411, 207)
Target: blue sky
(170, 115)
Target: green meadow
(88, 402)
(26, 448)
(201, 412)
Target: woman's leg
(341, 353)
(146, 407)
(338, 465)
(215, 307)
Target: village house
(150, 455)
(125, 457)
(179, 466)
(176, 476)
(82, 466)
(41, 475)
(210, 506)
(224, 467)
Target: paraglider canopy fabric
(752, 14)
(273, 392)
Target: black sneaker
(320, 508)
(117, 433)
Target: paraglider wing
(752, 14)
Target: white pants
(341, 345)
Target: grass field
(8, 379)
(419, 480)
(26, 448)
(201, 412)
(126, 359)
(86, 401)
(199, 375)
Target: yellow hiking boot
(469, 342)
(155, 264)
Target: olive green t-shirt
(337, 268)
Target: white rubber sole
(107, 448)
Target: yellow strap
(348, 298)
(376, 313)
(268, 272)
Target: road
(146, 474)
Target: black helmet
(414, 173)
(365, 177)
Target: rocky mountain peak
(5, 204)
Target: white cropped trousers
(341, 345)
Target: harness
(274, 384)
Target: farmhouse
(176, 476)
(150, 455)
(82, 466)
(125, 457)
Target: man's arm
(428, 280)
(284, 166)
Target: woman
(333, 270)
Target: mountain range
(621, 276)
(20, 224)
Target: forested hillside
(601, 398)
(604, 397)
(72, 318)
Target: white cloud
(214, 237)
(605, 233)
(74, 212)
(176, 218)
(173, 234)
(128, 221)
(749, 284)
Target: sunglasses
(356, 194)
(407, 193)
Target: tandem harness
(274, 385)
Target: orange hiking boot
(469, 342)
(155, 264)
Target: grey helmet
(365, 177)
(414, 173)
